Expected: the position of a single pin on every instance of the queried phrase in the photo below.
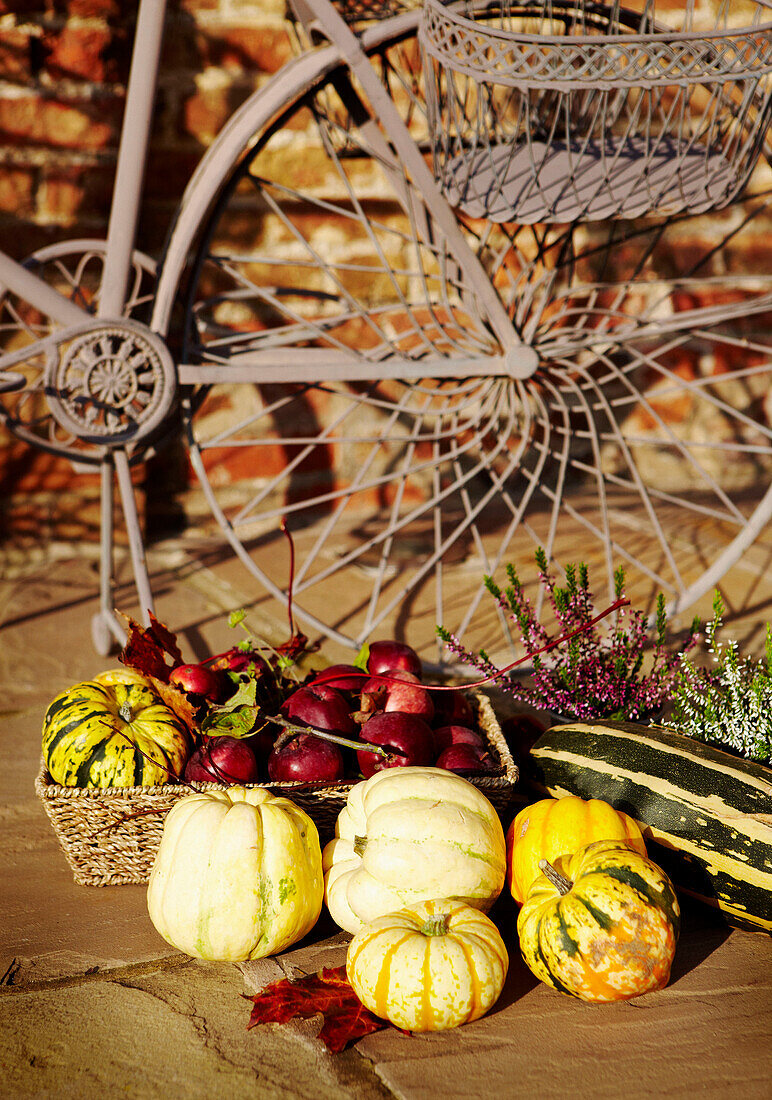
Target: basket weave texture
(110, 835)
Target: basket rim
(449, 14)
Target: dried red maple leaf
(345, 1017)
(178, 701)
(147, 648)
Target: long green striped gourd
(708, 812)
(112, 735)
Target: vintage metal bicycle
(471, 310)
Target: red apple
(222, 760)
(239, 660)
(388, 656)
(320, 706)
(521, 733)
(463, 758)
(457, 735)
(341, 677)
(398, 691)
(198, 680)
(408, 736)
(306, 758)
(452, 708)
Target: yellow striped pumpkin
(559, 827)
(113, 732)
(603, 926)
(429, 968)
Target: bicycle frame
(121, 236)
(397, 153)
(516, 359)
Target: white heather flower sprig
(730, 705)
(595, 674)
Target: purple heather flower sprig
(595, 674)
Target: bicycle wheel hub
(111, 384)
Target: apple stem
(292, 729)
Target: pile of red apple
(387, 704)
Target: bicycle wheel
(70, 400)
(375, 409)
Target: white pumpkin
(408, 835)
(238, 875)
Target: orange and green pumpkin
(110, 733)
(601, 925)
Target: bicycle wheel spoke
(385, 425)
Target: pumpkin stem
(125, 712)
(560, 882)
(436, 926)
(360, 843)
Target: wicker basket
(110, 835)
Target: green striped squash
(113, 734)
(706, 815)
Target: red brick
(46, 121)
(264, 49)
(17, 55)
(21, 7)
(92, 9)
(206, 111)
(17, 191)
(96, 54)
(66, 191)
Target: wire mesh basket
(567, 110)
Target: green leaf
(619, 582)
(237, 617)
(246, 692)
(234, 723)
(492, 587)
(361, 659)
(238, 715)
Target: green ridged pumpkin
(109, 733)
(603, 926)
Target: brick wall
(63, 69)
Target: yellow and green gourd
(556, 827)
(706, 814)
(113, 731)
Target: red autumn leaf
(166, 638)
(345, 1017)
(179, 702)
(147, 648)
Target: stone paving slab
(94, 1003)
